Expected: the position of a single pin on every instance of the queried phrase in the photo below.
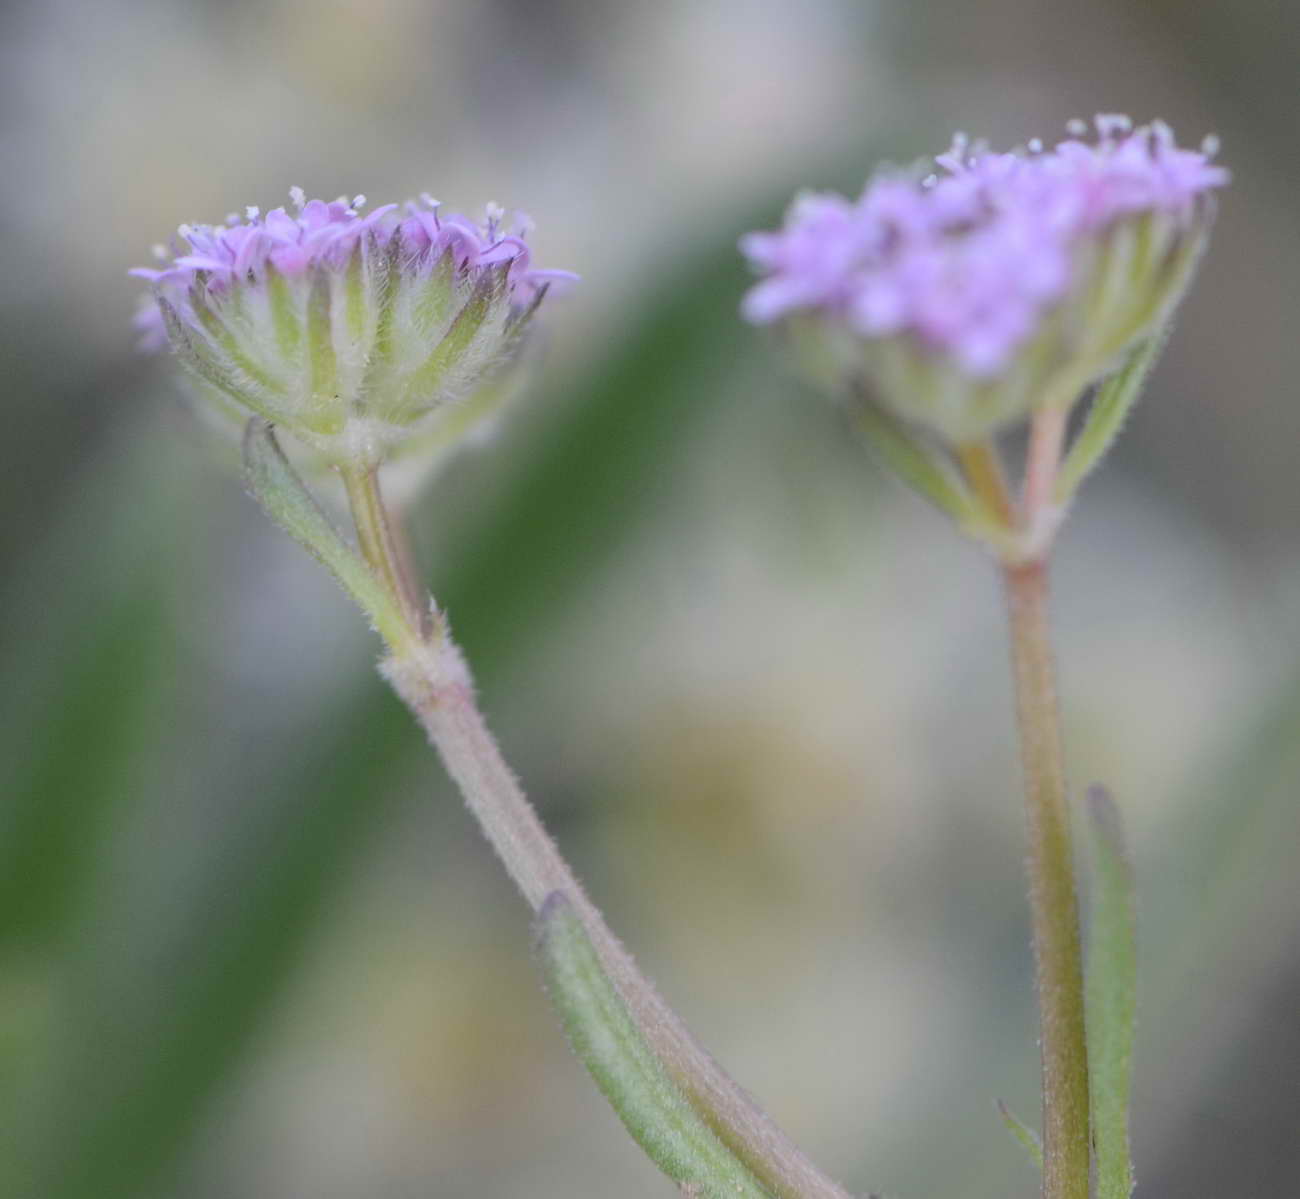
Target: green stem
(383, 546)
(1057, 957)
(983, 470)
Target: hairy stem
(428, 672)
(1058, 962)
(1046, 440)
(434, 683)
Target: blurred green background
(250, 943)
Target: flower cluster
(966, 297)
(346, 328)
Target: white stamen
(1076, 127)
(185, 231)
(494, 211)
(232, 218)
(358, 201)
(929, 180)
(955, 157)
(298, 197)
(1210, 145)
(1035, 145)
(252, 212)
(1111, 124)
(159, 251)
(428, 200)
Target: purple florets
(325, 234)
(970, 261)
(357, 332)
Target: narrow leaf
(1106, 415)
(1111, 997)
(913, 461)
(1033, 1145)
(626, 1070)
(276, 486)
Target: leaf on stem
(915, 462)
(626, 1070)
(276, 486)
(1031, 1141)
(1111, 996)
(1106, 415)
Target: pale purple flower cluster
(360, 333)
(969, 261)
(325, 234)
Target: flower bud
(354, 332)
(1006, 283)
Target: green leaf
(1027, 1137)
(626, 1070)
(276, 486)
(1106, 415)
(75, 739)
(913, 461)
(129, 1093)
(1111, 997)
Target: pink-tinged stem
(1057, 956)
(427, 671)
(434, 683)
(1046, 440)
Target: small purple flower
(966, 297)
(347, 328)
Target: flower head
(350, 329)
(1003, 282)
